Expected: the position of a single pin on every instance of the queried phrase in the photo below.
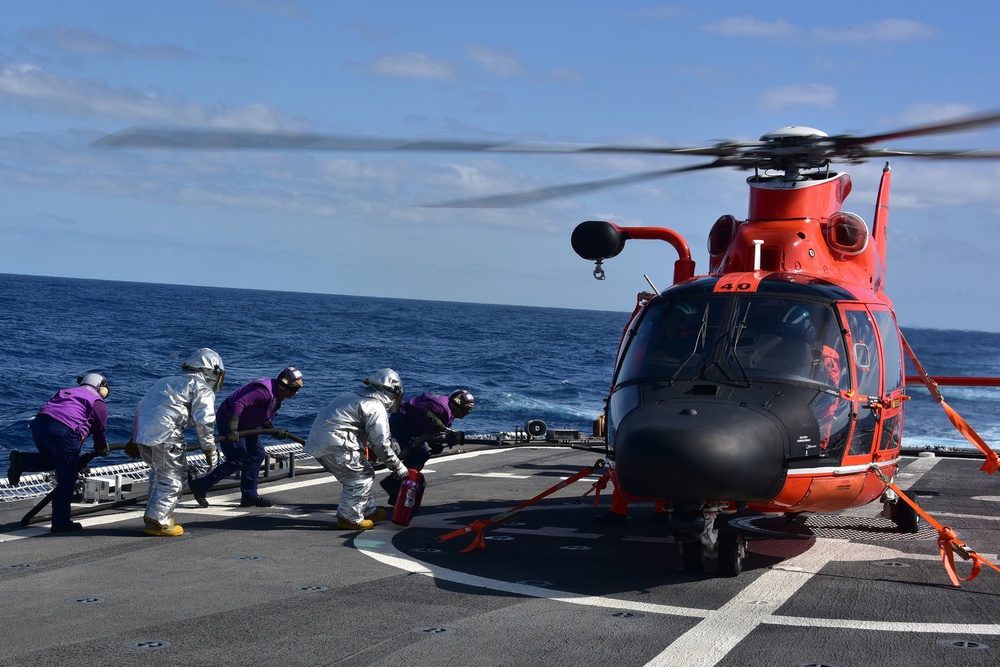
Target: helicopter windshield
(674, 340)
(786, 339)
(762, 338)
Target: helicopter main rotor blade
(199, 139)
(555, 191)
(956, 125)
(930, 155)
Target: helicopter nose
(699, 451)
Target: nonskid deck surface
(282, 585)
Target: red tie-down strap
(992, 462)
(948, 542)
(479, 525)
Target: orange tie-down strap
(948, 542)
(992, 462)
(479, 525)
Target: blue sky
(686, 73)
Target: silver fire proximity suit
(336, 441)
(170, 406)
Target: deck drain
(539, 583)
(437, 630)
(248, 558)
(500, 538)
(426, 550)
(86, 600)
(816, 664)
(892, 563)
(310, 589)
(626, 614)
(962, 643)
(21, 566)
(575, 547)
(149, 644)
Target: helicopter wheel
(732, 551)
(905, 517)
(691, 557)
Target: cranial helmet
(290, 378)
(387, 380)
(95, 380)
(463, 400)
(797, 324)
(208, 363)
(681, 318)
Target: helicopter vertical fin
(880, 225)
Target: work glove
(455, 438)
(103, 452)
(232, 436)
(436, 448)
(282, 434)
(211, 457)
(132, 450)
(400, 471)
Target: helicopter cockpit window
(674, 340)
(786, 339)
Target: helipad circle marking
(149, 644)
(987, 499)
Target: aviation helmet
(462, 402)
(681, 318)
(797, 324)
(290, 379)
(95, 380)
(208, 363)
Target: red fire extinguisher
(411, 492)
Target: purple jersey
(416, 410)
(81, 409)
(254, 404)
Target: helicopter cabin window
(892, 350)
(673, 340)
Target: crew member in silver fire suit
(170, 406)
(338, 438)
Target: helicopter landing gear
(732, 550)
(900, 512)
(691, 557)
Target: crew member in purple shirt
(424, 415)
(59, 430)
(250, 407)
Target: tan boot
(154, 527)
(364, 524)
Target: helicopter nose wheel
(732, 550)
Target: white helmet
(95, 380)
(387, 381)
(208, 363)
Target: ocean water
(521, 363)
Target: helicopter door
(867, 369)
(892, 357)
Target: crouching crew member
(338, 438)
(422, 416)
(59, 430)
(170, 406)
(252, 406)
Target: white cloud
(31, 87)
(414, 66)
(886, 30)
(805, 95)
(495, 61)
(83, 42)
(746, 26)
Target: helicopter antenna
(655, 291)
(757, 243)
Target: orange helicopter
(775, 382)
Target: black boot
(197, 491)
(16, 467)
